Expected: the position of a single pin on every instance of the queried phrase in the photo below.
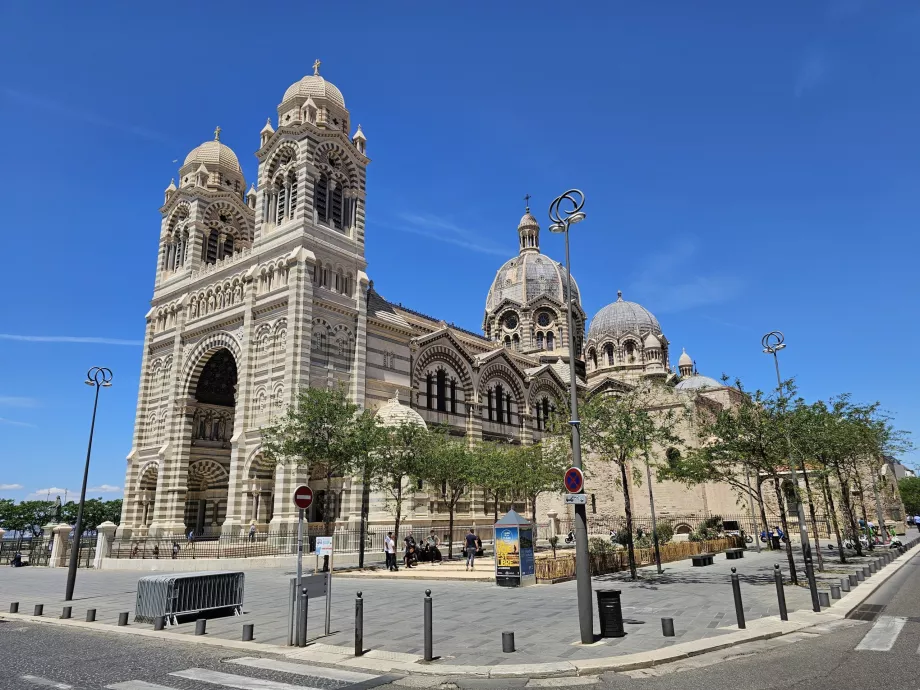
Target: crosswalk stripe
(137, 685)
(228, 680)
(38, 680)
(302, 669)
(882, 636)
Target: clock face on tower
(511, 322)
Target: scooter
(570, 537)
(765, 538)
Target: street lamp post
(772, 343)
(564, 212)
(99, 377)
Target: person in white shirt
(389, 548)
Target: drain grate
(866, 612)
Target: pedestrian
(175, 550)
(471, 546)
(410, 554)
(156, 550)
(389, 549)
(431, 545)
(917, 521)
(252, 532)
(191, 535)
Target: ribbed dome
(214, 153)
(317, 87)
(528, 277)
(685, 360)
(528, 221)
(698, 382)
(394, 413)
(622, 317)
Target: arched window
(630, 352)
(442, 390)
(608, 351)
(453, 396)
(292, 193)
(491, 409)
(321, 198)
(539, 341)
(326, 276)
(337, 201)
(499, 407)
(508, 341)
(592, 355)
(228, 246)
(550, 345)
(210, 248)
(429, 382)
(516, 342)
(281, 197)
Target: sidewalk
(469, 617)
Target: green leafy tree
(449, 467)
(535, 470)
(493, 472)
(909, 487)
(400, 461)
(317, 431)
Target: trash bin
(774, 542)
(610, 613)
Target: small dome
(394, 413)
(528, 221)
(651, 341)
(622, 317)
(316, 87)
(214, 153)
(697, 382)
(685, 360)
(268, 129)
(528, 277)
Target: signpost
(574, 480)
(303, 499)
(576, 499)
(324, 548)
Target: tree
(367, 437)
(909, 487)
(95, 512)
(493, 472)
(31, 516)
(534, 470)
(449, 467)
(399, 462)
(317, 432)
(618, 428)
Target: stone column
(553, 523)
(105, 535)
(59, 546)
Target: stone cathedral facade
(263, 291)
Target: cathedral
(262, 292)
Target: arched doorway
(208, 479)
(260, 488)
(146, 494)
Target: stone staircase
(484, 571)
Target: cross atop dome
(316, 65)
(527, 203)
(217, 133)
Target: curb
(391, 662)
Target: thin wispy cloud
(68, 339)
(672, 281)
(104, 489)
(67, 112)
(813, 71)
(443, 230)
(50, 493)
(15, 401)
(10, 487)
(14, 422)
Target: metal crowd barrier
(177, 594)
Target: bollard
(14, 607)
(90, 615)
(428, 642)
(65, 614)
(303, 610)
(835, 591)
(873, 568)
(844, 584)
(201, 626)
(780, 594)
(860, 575)
(667, 627)
(123, 618)
(359, 625)
(824, 599)
(159, 622)
(38, 610)
(736, 590)
(507, 642)
(249, 632)
(866, 573)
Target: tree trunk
(850, 511)
(782, 518)
(399, 499)
(533, 510)
(763, 513)
(450, 530)
(832, 511)
(814, 519)
(865, 514)
(629, 525)
(327, 504)
(495, 506)
(365, 500)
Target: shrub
(665, 532)
(598, 546)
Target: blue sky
(747, 166)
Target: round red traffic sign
(574, 480)
(303, 497)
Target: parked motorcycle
(765, 537)
(570, 537)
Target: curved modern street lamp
(99, 377)
(773, 342)
(565, 211)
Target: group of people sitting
(429, 552)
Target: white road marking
(137, 685)
(883, 635)
(37, 680)
(228, 680)
(302, 669)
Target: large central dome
(622, 317)
(316, 87)
(528, 277)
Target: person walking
(917, 521)
(389, 550)
(252, 532)
(410, 555)
(471, 545)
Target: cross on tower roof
(316, 68)
(217, 134)
(527, 202)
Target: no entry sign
(574, 480)
(303, 497)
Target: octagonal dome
(394, 413)
(698, 382)
(214, 153)
(622, 317)
(528, 277)
(316, 87)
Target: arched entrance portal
(212, 428)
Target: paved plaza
(469, 617)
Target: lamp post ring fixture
(99, 376)
(563, 216)
(773, 342)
